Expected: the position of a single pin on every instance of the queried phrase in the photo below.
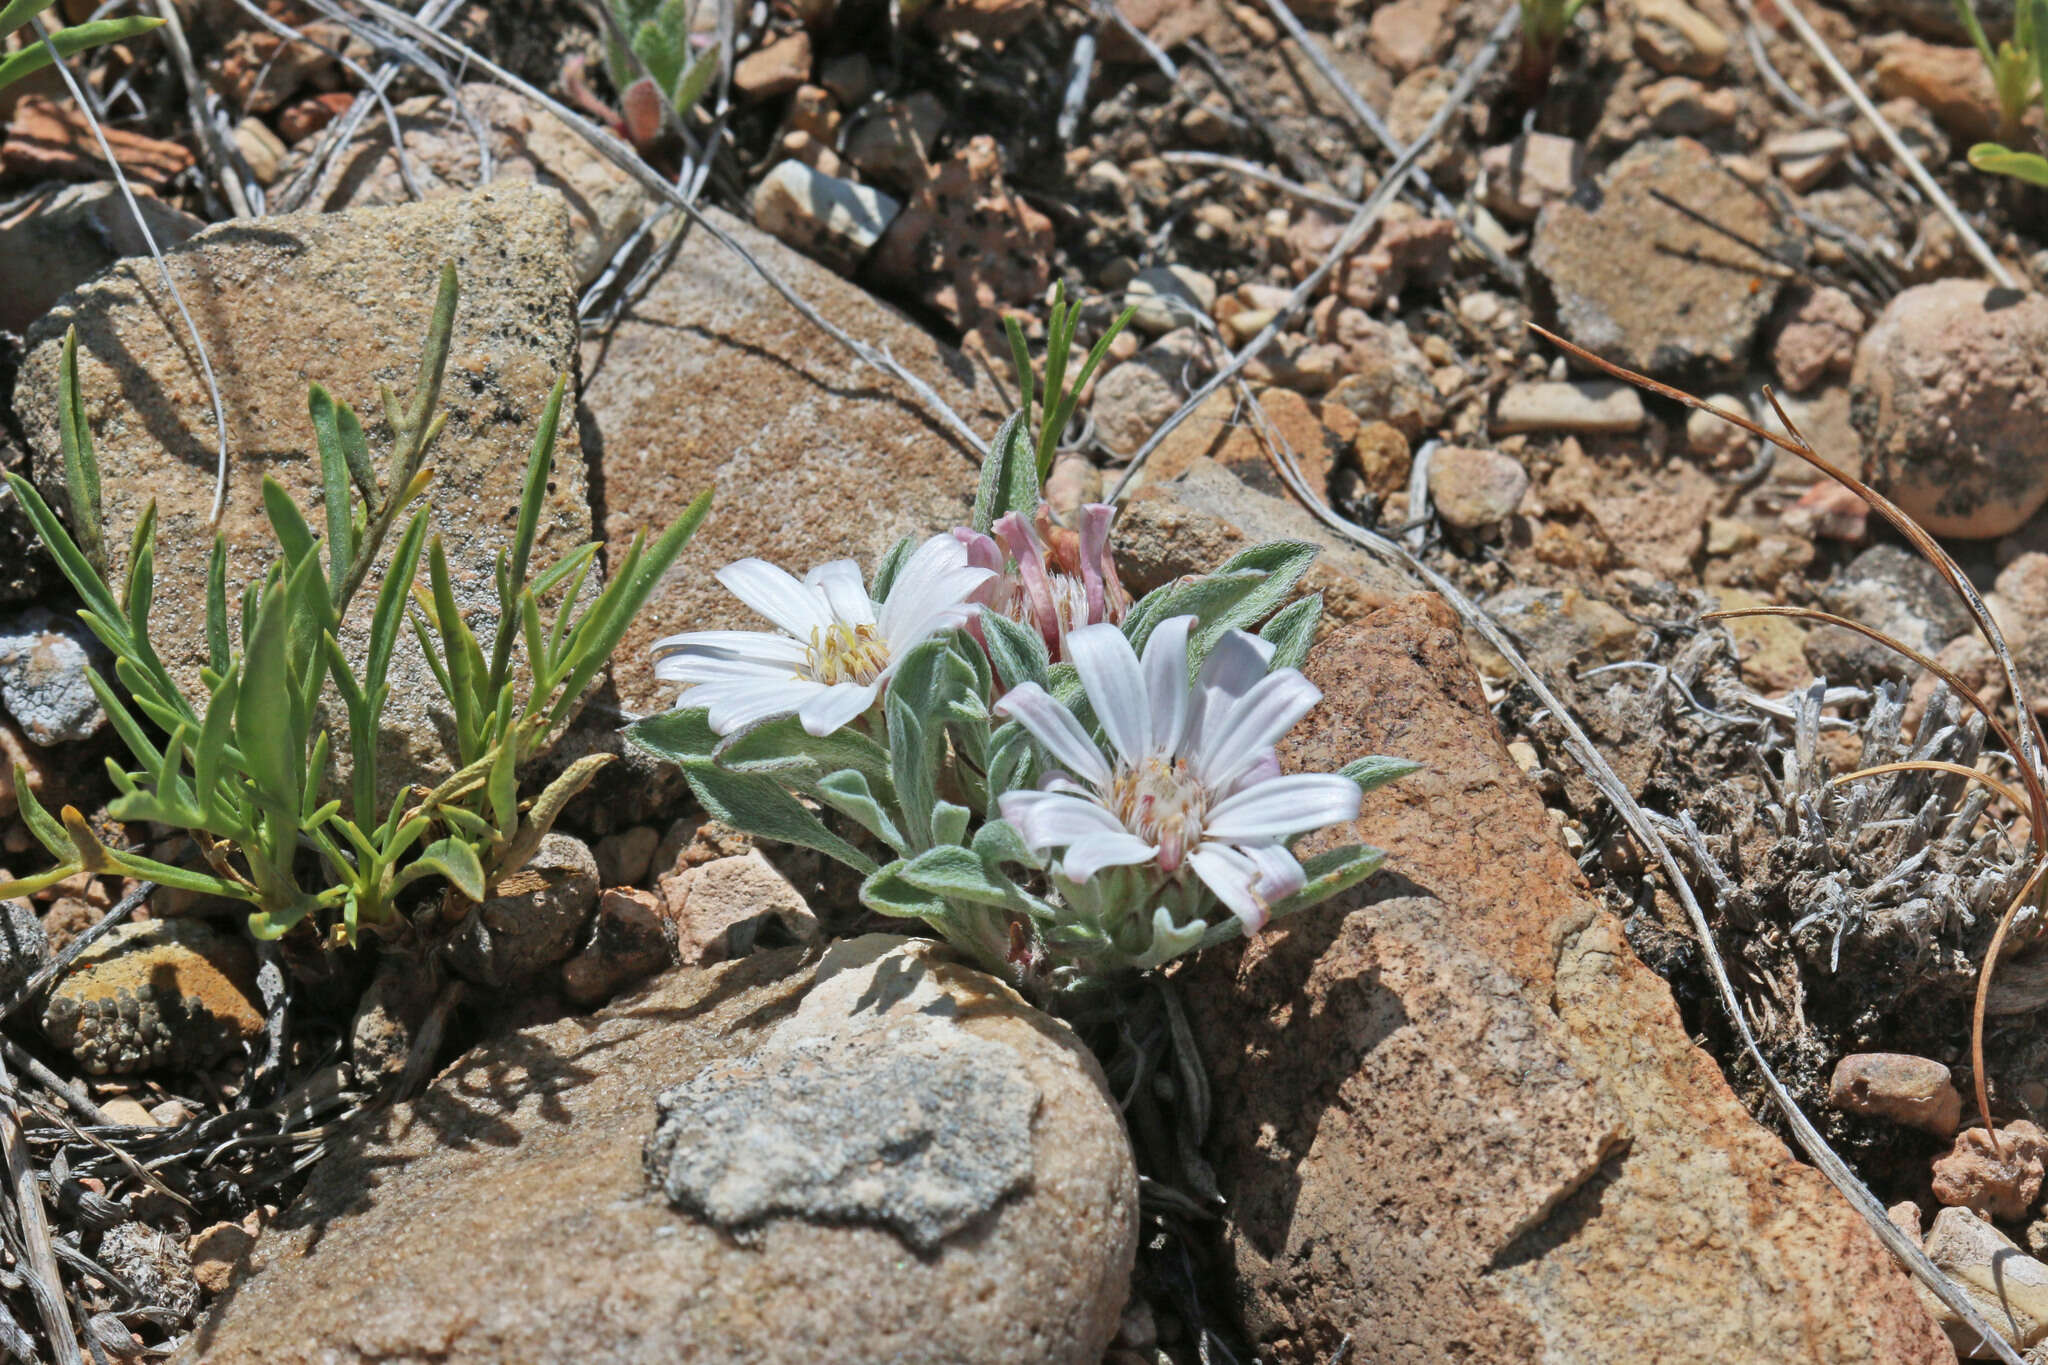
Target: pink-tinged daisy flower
(834, 648)
(1191, 784)
(1047, 577)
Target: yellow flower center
(1161, 803)
(846, 654)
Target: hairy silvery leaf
(761, 807)
(891, 565)
(1169, 940)
(782, 749)
(1378, 770)
(848, 793)
(1017, 651)
(949, 823)
(957, 873)
(1292, 630)
(887, 893)
(1237, 596)
(1010, 480)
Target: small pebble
(1587, 407)
(1475, 488)
(2001, 1185)
(1914, 1091)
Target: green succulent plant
(246, 773)
(2019, 74)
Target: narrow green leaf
(335, 478)
(209, 758)
(696, 80)
(294, 537)
(78, 567)
(632, 590)
(69, 42)
(541, 816)
(40, 822)
(18, 12)
(74, 434)
(391, 599)
(263, 722)
(2026, 166)
(217, 652)
(1020, 361)
(532, 498)
(450, 858)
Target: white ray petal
(1086, 857)
(1047, 820)
(1231, 670)
(775, 595)
(934, 582)
(836, 706)
(1116, 685)
(1166, 682)
(845, 594)
(1283, 806)
(1055, 728)
(732, 644)
(1250, 725)
(1230, 875)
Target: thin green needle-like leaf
(217, 650)
(334, 485)
(74, 436)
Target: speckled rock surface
(506, 1214)
(1950, 391)
(892, 1117)
(1458, 1120)
(1594, 253)
(527, 143)
(854, 462)
(156, 993)
(24, 944)
(44, 660)
(344, 299)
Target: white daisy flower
(834, 648)
(1192, 784)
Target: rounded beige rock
(1950, 388)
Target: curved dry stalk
(1939, 670)
(1938, 766)
(2030, 735)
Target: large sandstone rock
(527, 143)
(1630, 278)
(1459, 1120)
(713, 381)
(964, 1190)
(342, 299)
(1950, 388)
